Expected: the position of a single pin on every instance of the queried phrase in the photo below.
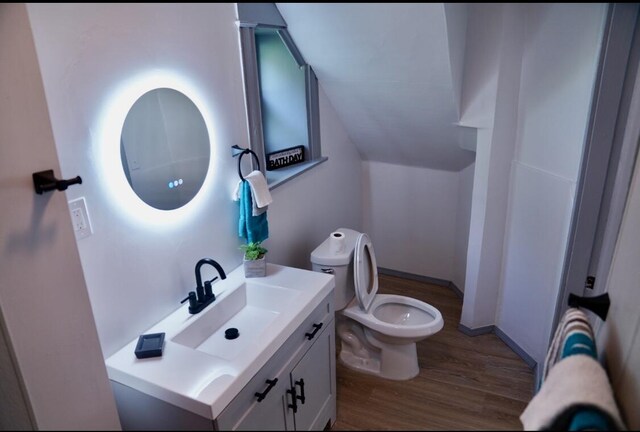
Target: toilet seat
(365, 272)
(369, 303)
(431, 319)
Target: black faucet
(203, 295)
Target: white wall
(456, 16)
(138, 271)
(52, 375)
(386, 69)
(410, 215)
(619, 338)
(491, 103)
(482, 47)
(308, 208)
(463, 217)
(530, 96)
(559, 61)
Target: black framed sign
(286, 157)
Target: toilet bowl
(398, 319)
(378, 332)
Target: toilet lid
(365, 272)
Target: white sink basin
(251, 308)
(200, 370)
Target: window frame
(266, 15)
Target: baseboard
(430, 280)
(508, 341)
(538, 379)
(530, 361)
(476, 331)
(415, 277)
(457, 291)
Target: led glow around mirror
(164, 149)
(108, 159)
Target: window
(281, 93)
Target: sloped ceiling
(387, 70)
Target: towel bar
(238, 151)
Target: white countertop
(204, 383)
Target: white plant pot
(255, 268)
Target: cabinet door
(269, 413)
(314, 376)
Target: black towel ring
(242, 153)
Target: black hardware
(45, 181)
(200, 295)
(193, 301)
(598, 305)
(294, 404)
(327, 270)
(591, 280)
(203, 295)
(238, 151)
(301, 396)
(208, 292)
(231, 333)
(262, 395)
(194, 309)
(316, 328)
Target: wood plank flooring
(465, 383)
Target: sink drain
(231, 333)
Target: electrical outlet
(80, 218)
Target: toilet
(378, 332)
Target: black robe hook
(45, 181)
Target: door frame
(607, 162)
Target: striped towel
(574, 335)
(576, 393)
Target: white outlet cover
(80, 218)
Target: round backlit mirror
(164, 148)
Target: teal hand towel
(253, 228)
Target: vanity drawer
(245, 412)
(305, 335)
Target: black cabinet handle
(294, 404)
(262, 395)
(301, 397)
(316, 328)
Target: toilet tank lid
(323, 254)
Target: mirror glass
(164, 148)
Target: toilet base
(365, 365)
(398, 362)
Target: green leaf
(253, 250)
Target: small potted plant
(255, 264)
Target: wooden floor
(465, 383)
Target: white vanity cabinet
(295, 390)
(279, 374)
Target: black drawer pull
(316, 328)
(294, 404)
(262, 395)
(301, 396)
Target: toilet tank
(340, 264)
